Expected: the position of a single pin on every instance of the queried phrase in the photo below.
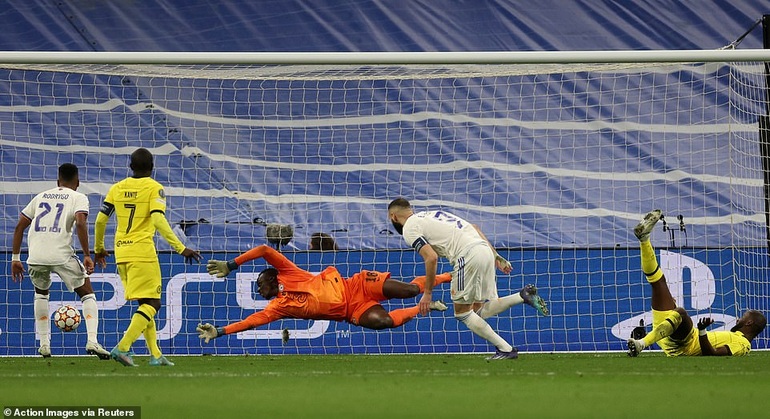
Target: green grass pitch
(607, 385)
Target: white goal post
(555, 155)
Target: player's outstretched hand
(503, 265)
(207, 331)
(191, 255)
(705, 322)
(100, 258)
(217, 268)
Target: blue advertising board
(596, 298)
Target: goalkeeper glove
(220, 268)
(207, 331)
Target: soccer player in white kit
(52, 214)
(435, 234)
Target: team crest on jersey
(162, 194)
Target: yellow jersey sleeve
(738, 344)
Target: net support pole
(764, 128)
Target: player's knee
(152, 302)
(463, 317)
(377, 322)
(675, 316)
(412, 290)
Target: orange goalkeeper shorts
(364, 291)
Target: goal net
(554, 162)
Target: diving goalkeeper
(672, 327)
(299, 294)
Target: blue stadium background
(349, 204)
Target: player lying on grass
(299, 294)
(672, 327)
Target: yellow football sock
(650, 265)
(139, 321)
(151, 338)
(663, 329)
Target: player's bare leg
(377, 318)
(440, 279)
(392, 288)
(662, 300)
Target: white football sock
(91, 316)
(482, 329)
(42, 319)
(493, 307)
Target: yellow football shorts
(689, 346)
(140, 279)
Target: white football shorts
(473, 278)
(72, 273)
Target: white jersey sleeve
(448, 234)
(52, 216)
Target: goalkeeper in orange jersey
(672, 327)
(299, 294)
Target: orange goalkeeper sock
(403, 315)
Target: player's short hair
(141, 160)
(322, 241)
(399, 203)
(270, 274)
(68, 172)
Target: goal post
(554, 155)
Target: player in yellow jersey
(139, 205)
(672, 327)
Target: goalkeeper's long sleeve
(161, 224)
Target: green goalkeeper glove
(207, 331)
(220, 268)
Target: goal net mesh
(555, 164)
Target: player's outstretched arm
(161, 224)
(207, 332)
(220, 268)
